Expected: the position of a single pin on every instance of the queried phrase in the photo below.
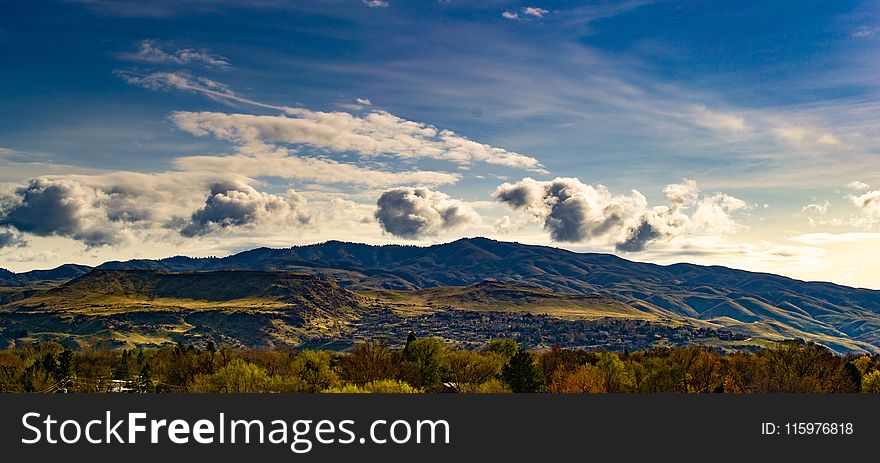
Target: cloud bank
(574, 212)
(374, 134)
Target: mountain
(761, 305)
(62, 273)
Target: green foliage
(522, 374)
(506, 348)
(871, 382)
(423, 364)
(430, 365)
(384, 386)
(236, 377)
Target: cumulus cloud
(364, 101)
(858, 186)
(63, 207)
(376, 3)
(820, 208)
(419, 212)
(150, 51)
(869, 204)
(510, 15)
(231, 205)
(377, 133)
(572, 211)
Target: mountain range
(764, 306)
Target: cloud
(376, 3)
(258, 160)
(792, 133)
(805, 135)
(62, 207)
(828, 139)
(183, 81)
(858, 186)
(419, 212)
(716, 120)
(818, 239)
(504, 225)
(820, 208)
(231, 205)
(150, 51)
(572, 211)
(534, 11)
(869, 204)
(10, 237)
(374, 134)
(364, 101)
(377, 133)
(865, 32)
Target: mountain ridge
(763, 305)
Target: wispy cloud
(376, 3)
(151, 51)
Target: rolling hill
(142, 307)
(762, 305)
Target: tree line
(430, 365)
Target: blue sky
(730, 133)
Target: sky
(741, 134)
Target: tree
(236, 377)
(423, 365)
(506, 348)
(144, 382)
(871, 382)
(521, 373)
(368, 361)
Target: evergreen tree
(144, 381)
(521, 373)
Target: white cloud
(572, 211)
(819, 239)
(376, 3)
(237, 205)
(257, 160)
(374, 134)
(364, 101)
(792, 133)
(828, 139)
(183, 81)
(150, 51)
(858, 186)
(820, 208)
(716, 120)
(63, 207)
(534, 11)
(869, 204)
(377, 133)
(510, 15)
